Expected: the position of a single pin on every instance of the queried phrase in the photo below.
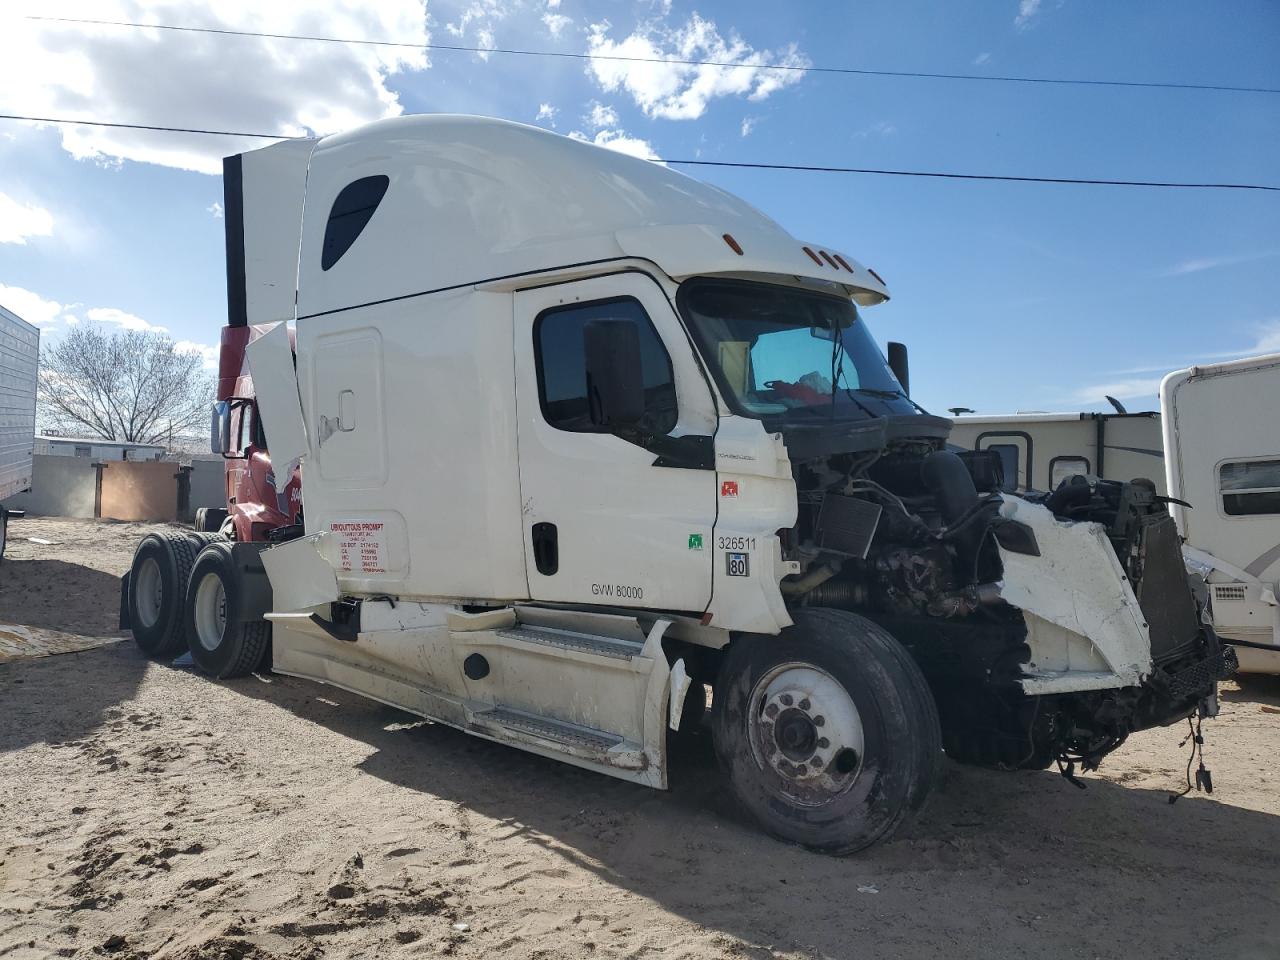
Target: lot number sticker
(737, 564)
(362, 545)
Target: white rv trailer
(1222, 443)
(19, 360)
(579, 435)
(1213, 447)
(1038, 451)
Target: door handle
(546, 548)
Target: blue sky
(1010, 296)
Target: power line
(803, 168)
(788, 67)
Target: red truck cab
(254, 508)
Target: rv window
(558, 336)
(351, 212)
(1062, 468)
(1250, 487)
(1008, 454)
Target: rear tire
(221, 644)
(209, 519)
(828, 733)
(157, 586)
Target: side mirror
(898, 364)
(220, 427)
(615, 383)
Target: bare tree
(130, 385)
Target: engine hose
(842, 593)
(814, 578)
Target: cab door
(613, 517)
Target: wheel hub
(807, 729)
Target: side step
(584, 743)
(572, 640)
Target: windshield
(777, 350)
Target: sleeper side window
(1250, 487)
(559, 346)
(350, 214)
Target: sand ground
(147, 812)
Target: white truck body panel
(19, 362)
(1218, 421)
(270, 359)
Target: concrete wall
(208, 486)
(60, 487)
(64, 486)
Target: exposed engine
(912, 537)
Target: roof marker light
(812, 256)
(844, 263)
(827, 257)
(877, 276)
(733, 244)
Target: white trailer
(580, 437)
(1222, 442)
(19, 361)
(1038, 451)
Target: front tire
(828, 732)
(221, 643)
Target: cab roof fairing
(474, 198)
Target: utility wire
(719, 163)
(512, 51)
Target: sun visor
(694, 249)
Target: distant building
(97, 449)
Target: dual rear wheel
(185, 594)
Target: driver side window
(559, 337)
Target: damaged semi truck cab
(581, 437)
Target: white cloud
(47, 314)
(1027, 9)
(1120, 389)
(676, 91)
(748, 124)
(619, 140)
(32, 307)
(19, 221)
(1210, 263)
(208, 353)
(556, 23)
(225, 83)
(120, 318)
(547, 112)
(477, 21)
(215, 208)
(601, 116)
(882, 128)
(982, 58)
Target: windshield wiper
(871, 391)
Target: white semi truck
(581, 437)
(19, 362)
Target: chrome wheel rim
(149, 592)
(805, 728)
(210, 612)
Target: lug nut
(823, 743)
(786, 699)
(819, 721)
(804, 704)
(771, 710)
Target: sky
(1011, 297)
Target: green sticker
(695, 541)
